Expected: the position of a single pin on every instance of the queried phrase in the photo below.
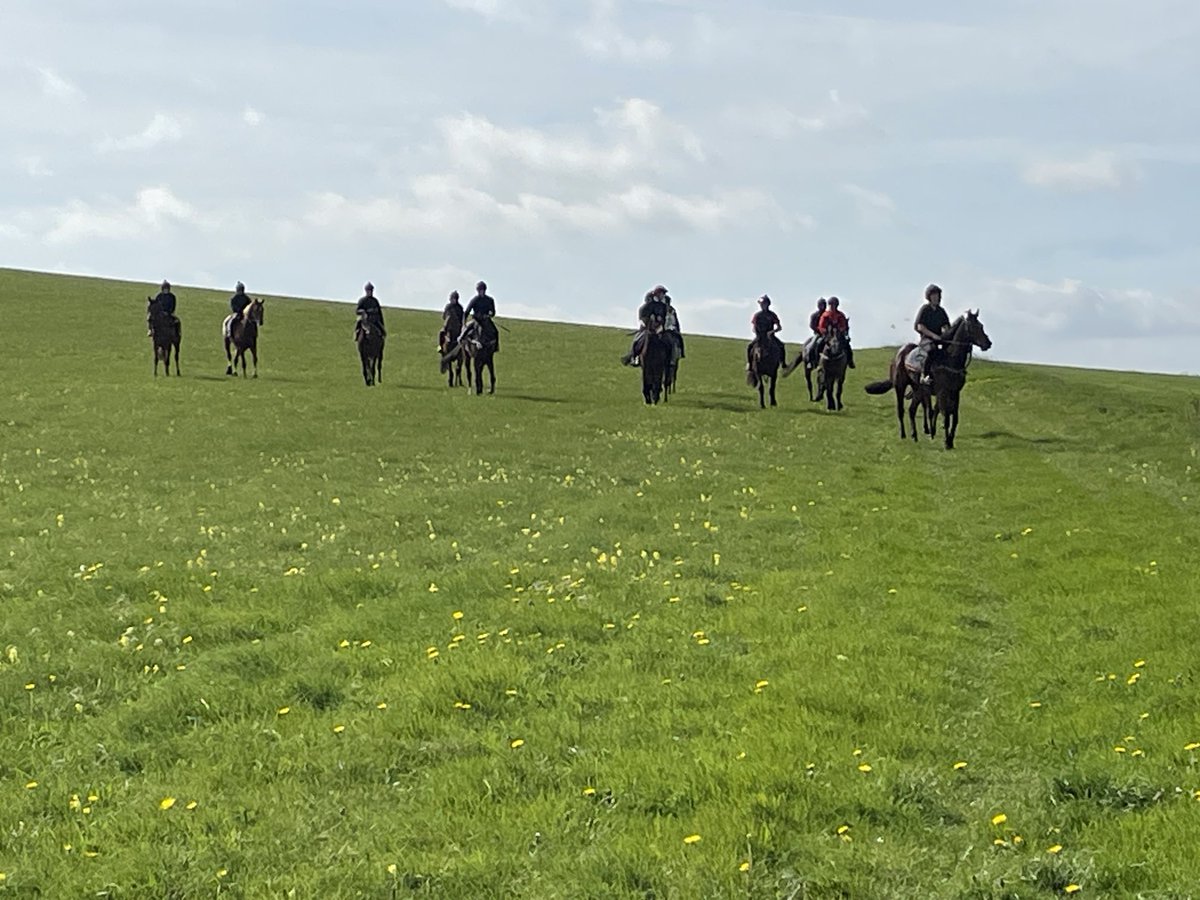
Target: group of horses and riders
(240, 329)
(929, 373)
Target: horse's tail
(794, 364)
(878, 387)
(751, 378)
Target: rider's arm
(923, 331)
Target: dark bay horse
(948, 370)
(831, 370)
(164, 334)
(671, 375)
(655, 360)
(480, 349)
(243, 336)
(765, 361)
(452, 360)
(370, 339)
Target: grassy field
(292, 637)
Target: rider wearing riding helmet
(483, 309)
(369, 307)
(931, 324)
(165, 300)
(765, 324)
(652, 314)
(834, 318)
(452, 319)
(812, 345)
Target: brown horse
(164, 334)
(765, 360)
(948, 370)
(370, 339)
(831, 370)
(243, 336)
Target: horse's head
(975, 332)
(254, 312)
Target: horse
(671, 374)
(810, 366)
(480, 349)
(655, 360)
(948, 370)
(831, 370)
(452, 360)
(765, 360)
(165, 335)
(243, 336)
(370, 339)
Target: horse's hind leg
(176, 358)
(773, 403)
(254, 355)
(491, 377)
(900, 409)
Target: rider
(834, 318)
(452, 319)
(483, 309)
(369, 306)
(238, 303)
(812, 346)
(166, 302)
(651, 313)
(931, 324)
(765, 324)
(671, 323)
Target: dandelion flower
(760, 684)
(391, 869)
(1192, 746)
(456, 615)
(192, 804)
(959, 765)
(221, 873)
(999, 819)
(589, 791)
(166, 802)
(1071, 889)
(30, 785)
(1057, 848)
(284, 710)
(519, 742)
(692, 839)
(865, 767)
(744, 867)
(382, 705)
(338, 729)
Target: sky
(1038, 159)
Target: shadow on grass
(1008, 438)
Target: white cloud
(1099, 170)
(35, 167)
(874, 207)
(602, 37)
(153, 208)
(442, 204)
(252, 116)
(834, 116)
(511, 10)
(162, 129)
(639, 138)
(1071, 309)
(58, 87)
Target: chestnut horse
(948, 370)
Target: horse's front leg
(773, 403)
(912, 415)
(900, 409)
(491, 377)
(254, 356)
(177, 359)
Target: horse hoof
(229, 370)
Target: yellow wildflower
(692, 839)
(999, 819)
(166, 802)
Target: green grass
(699, 618)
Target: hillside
(294, 635)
